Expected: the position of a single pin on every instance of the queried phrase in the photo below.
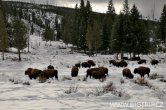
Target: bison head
(136, 70)
(28, 71)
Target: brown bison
(154, 62)
(121, 63)
(49, 73)
(86, 65)
(74, 71)
(50, 67)
(127, 73)
(142, 71)
(91, 62)
(125, 58)
(105, 70)
(113, 62)
(135, 59)
(89, 71)
(33, 73)
(98, 74)
(78, 65)
(142, 61)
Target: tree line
(92, 32)
(127, 32)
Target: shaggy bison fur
(121, 63)
(142, 61)
(102, 70)
(74, 71)
(125, 58)
(50, 67)
(49, 73)
(78, 65)
(142, 71)
(127, 73)
(112, 62)
(105, 70)
(33, 73)
(91, 62)
(98, 74)
(154, 62)
(89, 71)
(86, 65)
(135, 58)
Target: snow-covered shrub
(102, 79)
(109, 87)
(84, 78)
(142, 82)
(26, 83)
(72, 89)
(163, 80)
(66, 78)
(122, 81)
(155, 76)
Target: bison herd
(50, 72)
(95, 73)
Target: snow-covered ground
(18, 92)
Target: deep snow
(15, 94)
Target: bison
(142, 61)
(142, 71)
(154, 62)
(74, 71)
(113, 62)
(125, 58)
(49, 73)
(89, 71)
(91, 62)
(127, 73)
(50, 67)
(86, 64)
(98, 74)
(121, 63)
(33, 73)
(78, 65)
(105, 70)
(135, 59)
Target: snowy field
(18, 92)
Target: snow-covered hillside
(18, 92)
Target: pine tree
(126, 28)
(118, 35)
(3, 33)
(107, 26)
(126, 9)
(88, 10)
(82, 26)
(48, 35)
(19, 35)
(105, 36)
(75, 25)
(111, 9)
(93, 35)
(135, 30)
(163, 25)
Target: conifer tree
(163, 25)
(48, 35)
(3, 33)
(19, 35)
(107, 26)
